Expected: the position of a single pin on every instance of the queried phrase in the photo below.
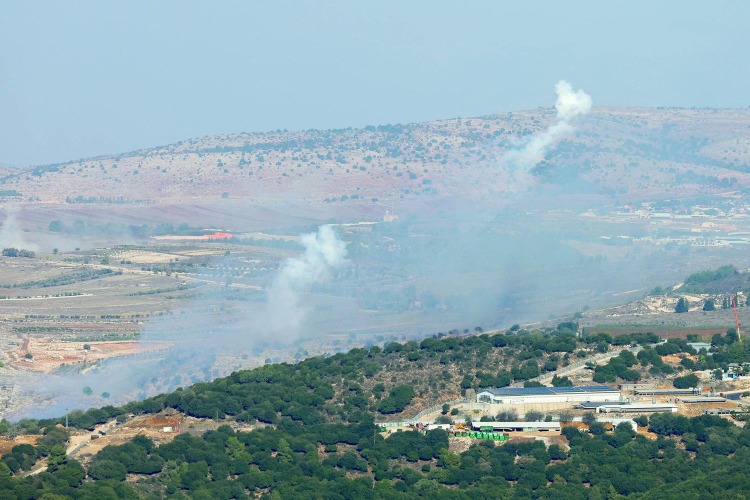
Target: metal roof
(705, 399)
(665, 392)
(590, 404)
(639, 406)
(548, 391)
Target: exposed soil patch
(7, 444)
(47, 355)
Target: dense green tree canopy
(316, 437)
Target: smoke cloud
(201, 338)
(570, 105)
(324, 252)
(11, 234)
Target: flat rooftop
(548, 391)
(706, 399)
(656, 392)
(640, 406)
(589, 404)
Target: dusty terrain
(6, 444)
(160, 428)
(49, 355)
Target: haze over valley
(448, 225)
(350, 251)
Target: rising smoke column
(280, 319)
(570, 105)
(324, 252)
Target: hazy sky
(79, 79)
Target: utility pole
(66, 418)
(736, 317)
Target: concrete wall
(556, 398)
(493, 409)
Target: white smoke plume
(11, 234)
(569, 105)
(324, 252)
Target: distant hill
(9, 170)
(629, 154)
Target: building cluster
(596, 398)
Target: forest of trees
(691, 458)
(316, 438)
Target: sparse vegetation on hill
(616, 151)
(702, 282)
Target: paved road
(578, 365)
(75, 443)
(78, 441)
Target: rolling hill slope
(637, 154)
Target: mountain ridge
(643, 153)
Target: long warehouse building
(637, 408)
(530, 395)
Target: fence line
(437, 407)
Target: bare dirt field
(6, 444)
(162, 428)
(48, 355)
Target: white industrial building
(668, 392)
(531, 395)
(542, 426)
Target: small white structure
(167, 429)
(432, 426)
(617, 421)
(529, 395)
(738, 368)
(717, 411)
(700, 345)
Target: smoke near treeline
(506, 245)
(570, 105)
(323, 252)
